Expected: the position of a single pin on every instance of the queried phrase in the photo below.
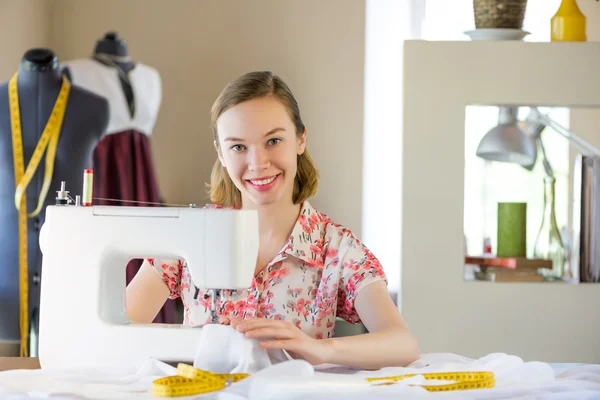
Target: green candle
(512, 230)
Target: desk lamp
(517, 142)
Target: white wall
(317, 47)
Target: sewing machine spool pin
(62, 195)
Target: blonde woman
(309, 270)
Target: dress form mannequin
(123, 162)
(85, 120)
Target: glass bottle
(548, 244)
(568, 24)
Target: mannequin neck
(113, 51)
(39, 67)
(112, 47)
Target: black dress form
(85, 120)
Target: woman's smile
(265, 183)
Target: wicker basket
(499, 13)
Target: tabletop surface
(7, 363)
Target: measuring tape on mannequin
(48, 141)
(191, 381)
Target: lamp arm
(582, 145)
(545, 161)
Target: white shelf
(541, 321)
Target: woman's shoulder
(331, 231)
(344, 250)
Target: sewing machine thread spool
(62, 195)
(88, 181)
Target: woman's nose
(259, 160)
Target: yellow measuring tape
(191, 381)
(464, 380)
(49, 141)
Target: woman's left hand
(277, 334)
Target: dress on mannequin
(123, 163)
(38, 84)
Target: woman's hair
(250, 86)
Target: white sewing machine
(85, 250)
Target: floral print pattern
(314, 278)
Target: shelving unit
(536, 321)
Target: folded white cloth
(222, 349)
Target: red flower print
(332, 252)
(319, 335)
(240, 306)
(316, 249)
(315, 219)
(302, 220)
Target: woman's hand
(276, 334)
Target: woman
(309, 269)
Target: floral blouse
(315, 277)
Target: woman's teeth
(263, 182)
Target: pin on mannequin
(85, 118)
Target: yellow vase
(568, 24)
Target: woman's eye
(237, 147)
(274, 141)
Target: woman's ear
(219, 154)
(302, 141)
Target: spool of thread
(88, 182)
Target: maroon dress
(123, 163)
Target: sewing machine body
(83, 320)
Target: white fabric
(296, 379)
(222, 349)
(104, 81)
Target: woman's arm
(389, 342)
(145, 295)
